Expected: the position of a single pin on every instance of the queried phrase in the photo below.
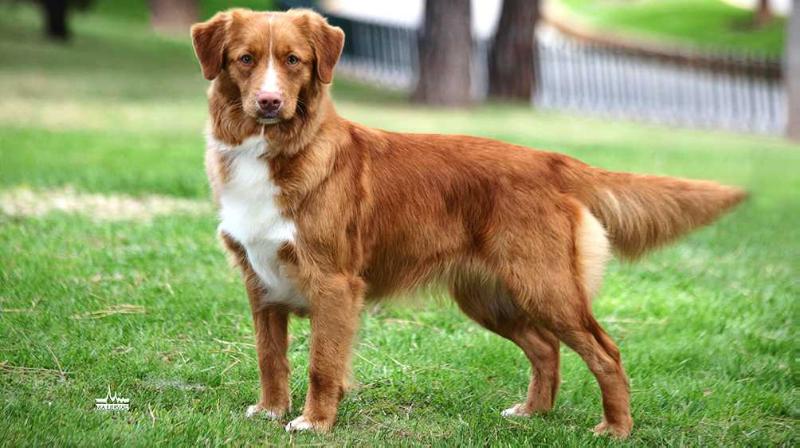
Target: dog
(322, 214)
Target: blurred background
(708, 63)
(718, 64)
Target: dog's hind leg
(492, 307)
(542, 349)
(566, 313)
(602, 356)
(551, 275)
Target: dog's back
(442, 198)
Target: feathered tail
(642, 212)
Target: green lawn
(709, 24)
(707, 328)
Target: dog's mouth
(268, 116)
(266, 119)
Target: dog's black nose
(269, 102)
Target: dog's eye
(246, 59)
(292, 60)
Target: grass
(706, 24)
(707, 327)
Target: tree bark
(512, 59)
(445, 47)
(763, 13)
(792, 71)
(173, 16)
(55, 15)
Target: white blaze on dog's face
(272, 60)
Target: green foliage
(709, 24)
(707, 328)
(137, 10)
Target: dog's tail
(642, 212)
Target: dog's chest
(250, 215)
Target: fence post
(792, 72)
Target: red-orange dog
(321, 213)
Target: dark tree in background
(55, 18)
(791, 73)
(445, 46)
(173, 16)
(512, 57)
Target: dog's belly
(250, 215)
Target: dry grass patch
(123, 308)
(25, 202)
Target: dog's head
(271, 57)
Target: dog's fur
(321, 213)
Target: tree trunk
(791, 73)
(55, 15)
(512, 59)
(763, 13)
(173, 16)
(445, 47)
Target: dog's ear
(209, 39)
(328, 42)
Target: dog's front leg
(335, 302)
(272, 339)
(272, 342)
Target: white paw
(299, 424)
(517, 410)
(256, 409)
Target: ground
(145, 303)
(707, 24)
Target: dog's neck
(231, 125)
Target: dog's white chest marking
(250, 215)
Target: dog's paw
(257, 410)
(299, 424)
(618, 431)
(304, 424)
(518, 410)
